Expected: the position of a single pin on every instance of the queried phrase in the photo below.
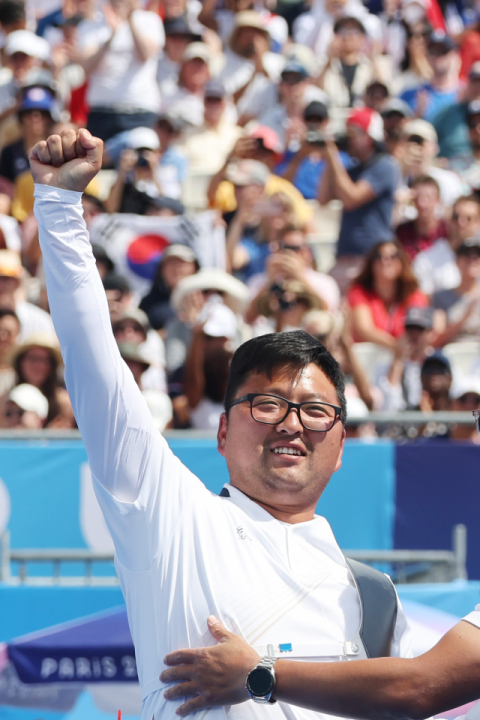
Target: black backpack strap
(379, 608)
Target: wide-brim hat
(247, 18)
(132, 352)
(37, 340)
(236, 294)
(294, 287)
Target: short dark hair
(349, 20)
(425, 180)
(11, 11)
(6, 312)
(290, 350)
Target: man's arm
(381, 689)
(114, 420)
(352, 194)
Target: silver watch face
(260, 682)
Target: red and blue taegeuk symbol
(144, 254)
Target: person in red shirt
(420, 234)
(381, 294)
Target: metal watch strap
(267, 662)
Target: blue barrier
(52, 505)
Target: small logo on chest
(242, 534)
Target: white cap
(143, 137)
(27, 42)
(463, 385)
(197, 50)
(422, 128)
(30, 399)
(221, 321)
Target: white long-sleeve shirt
(183, 553)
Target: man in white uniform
(257, 557)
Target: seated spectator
(291, 259)
(465, 394)
(262, 145)
(395, 113)
(119, 54)
(305, 167)
(22, 52)
(247, 240)
(208, 147)
(37, 361)
(137, 178)
(418, 158)
(401, 384)
(381, 295)
(207, 364)
(177, 262)
(178, 35)
(367, 191)
(133, 328)
(35, 118)
(451, 123)
(436, 379)
(9, 334)
(158, 402)
(460, 306)
(119, 295)
(222, 20)
(348, 71)
(104, 262)
(184, 98)
(285, 114)
(376, 96)
(420, 234)
(24, 408)
(436, 268)
(314, 27)
(32, 318)
(415, 69)
(444, 86)
(284, 304)
(249, 66)
(467, 164)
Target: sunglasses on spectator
(14, 412)
(470, 253)
(473, 122)
(417, 139)
(294, 248)
(212, 291)
(470, 398)
(438, 50)
(386, 256)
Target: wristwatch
(260, 682)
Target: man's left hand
(214, 676)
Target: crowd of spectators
(332, 147)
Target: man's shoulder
(438, 253)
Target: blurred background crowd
(269, 165)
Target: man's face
(8, 286)
(292, 86)
(440, 58)
(294, 241)
(436, 379)
(214, 108)
(175, 46)
(358, 141)
(20, 64)
(393, 124)
(284, 483)
(468, 262)
(426, 200)
(351, 40)
(465, 220)
(250, 39)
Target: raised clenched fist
(69, 160)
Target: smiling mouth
(287, 451)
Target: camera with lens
(142, 161)
(286, 301)
(315, 137)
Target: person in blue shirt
(305, 167)
(443, 89)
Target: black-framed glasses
(476, 415)
(273, 409)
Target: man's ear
(222, 434)
(340, 454)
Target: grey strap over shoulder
(379, 608)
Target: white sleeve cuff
(47, 192)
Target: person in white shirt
(257, 556)
(119, 54)
(436, 268)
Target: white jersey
(183, 553)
